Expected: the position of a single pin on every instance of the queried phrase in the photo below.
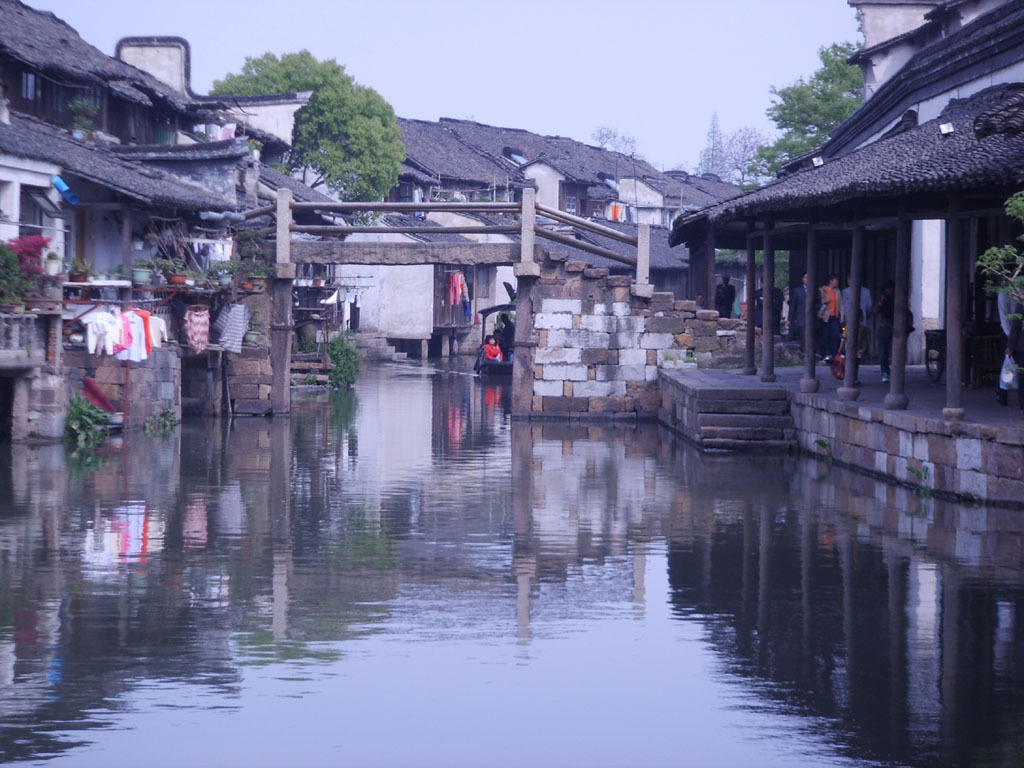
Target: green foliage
(347, 134)
(14, 283)
(307, 344)
(311, 379)
(921, 487)
(347, 363)
(826, 450)
(83, 113)
(250, 243)
(808, 111)
(1004, 265)
(85, 425)
(162, 424)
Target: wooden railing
(527, 228)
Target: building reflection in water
(887, 619)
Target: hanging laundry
(197, 328)
(145, 315)
(158, 330)
(135, 351)
(126, 336)
(230, 327)
(103, 332)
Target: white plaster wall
(15, 172)
(164, 62)
(275, 119)
(407, 302)
(108, 240)
(634, 192)
(884, 21)
(927, 283)
(547, 179)
(455, 219)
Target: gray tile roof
(274, 179)
(427, 236)
(918, 160)
(213, 150)
(663, 256)
(47, 43)
(433, 151)
(30, 138)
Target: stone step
(761, 407)
(725, 444)
(744, 420)
(710, 393)
(742, 433)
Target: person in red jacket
(492, 352)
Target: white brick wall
(546, 320)
(565, 373)
(572, 306)
(547, 355)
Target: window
(570, 204)
(31, 86)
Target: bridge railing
(527, 228)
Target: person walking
(830, 313)
(797, 311)
(725, 296)
(1003, 305)
(1015, 346)
(884, 311)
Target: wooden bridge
(284, 253)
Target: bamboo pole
(595, 249)
(600, 229)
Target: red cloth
(145, 324)
(92, 392)
(492, 353)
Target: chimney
(168, 59)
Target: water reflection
(820, 616)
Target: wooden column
(749, 361)
(897, 399)
(850, 390)
(768, 315)
(709, 281)
(281, 326)
(126, 255)
(954, 410)
(809, 383)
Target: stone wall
(973, 461)
(140, 390)
(250, 375)
(596, 342)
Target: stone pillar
(749, 361)
(643, 255)
(281, 326)
(809, 383)
(897, 399)
(768, 314)
(954, 410)
(527, 237)
(525, 345)
(850, 390)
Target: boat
(495, 368)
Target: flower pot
(78, 277)
(176, 279)
(53, 266)
(224, 281)
(142, 275)
(258, 283)
(251, 337)
(317, 282)
(245, 286)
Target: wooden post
(897, 399)
(126, 254)
(850, 389)
(749, 361)
(809, 383)
(281, 325)
(768, 315)
(954, 410)
(643, 255)
(709, 277)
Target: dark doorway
(6, 407)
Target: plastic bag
(1008, 378)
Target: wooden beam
(595, 249)
(466, 230)
(404, 254)
(408, 207)
(587, 224)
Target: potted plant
(256, 272)
(80, 270)
(252, 336)
(53, 263)
(173, 270)
(142, 271)
(14, 283)
(83, 116)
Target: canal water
(402, 576)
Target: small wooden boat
(495, 368)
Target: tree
(712, 157)
(1004, 265)
(741, 150)
(808, 111)
(347, 135)
(607, 137)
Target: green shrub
(347, 363)
(86, 424)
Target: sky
(656, 70)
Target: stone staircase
(373, 346)
(721, 411)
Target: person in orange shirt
(492, 352)
(829, 315)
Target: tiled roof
(663, 256)
(30, 138)
(274, 179)
(213, 150)
(920, 159)
(1006, 117)
(47, 43)
(428, 236)
(433, 151)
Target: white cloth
(865, 302)
(102, 332)
(136, 353)
(230, 326)
(1003, 305)
(158, 331)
